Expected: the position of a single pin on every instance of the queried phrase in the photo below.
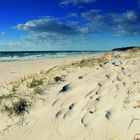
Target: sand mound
(99, 102)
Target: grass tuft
(17, 108)
(36, 82)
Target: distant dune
(125, 48)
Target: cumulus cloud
(49, 25)
(75, 2)
(49, 29)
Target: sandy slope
(102, 105)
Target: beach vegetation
(36, 82)
(16, 106)
(38, 90)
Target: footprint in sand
(118, 79)
(98, 98)
(55, 102)
(99, 84)
(98, 91)
(89, 93)
(82, 121)
(65, 88)
(117, 63)
(71, 106)
(58, 114)
(69, 113)
(58, 79)
(80, 77)
(108, 115)
(117, 87)
(87, 118)
(122, 68)
(112, 78)
(124, 83)
(91, 110)
(108, 76)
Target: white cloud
(121, 24)
(52, 30)
(76, 2)
(2, 33)
(49, 25)
(73, 14)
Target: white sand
(10, 71)
(103, 105)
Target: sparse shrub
(89, 62)
(14, 88)
(38, 90)
(7, 109)
(36, 82)
(58, 78)
(21, 107)
(16, 108)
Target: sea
(38, 55)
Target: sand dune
(99, 102)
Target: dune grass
(92, 61)
(20, 95)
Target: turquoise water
(36, 55)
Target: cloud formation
(50, 29)
(121, 24)
(76, 2)
(49, 25)
(73, 14)
(125, 24)
(90, 14)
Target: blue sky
(28, 25)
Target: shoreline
(12, 71)
(31, 56)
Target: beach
(79, 98)
(11, 71)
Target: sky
(40, 25)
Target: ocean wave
(20, 56)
